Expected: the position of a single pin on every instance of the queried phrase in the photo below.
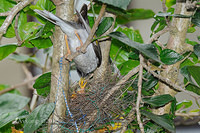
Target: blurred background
(12, 73)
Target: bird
(76, 34)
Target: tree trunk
(176, 42)
(65, 10)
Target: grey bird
(77, 33)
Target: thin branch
(5, 13)
(18, 85)
(158, 34)
(190, 114)
(12, 14)
(90, 37)
(16, 30)
(139, 95)
(169, 82)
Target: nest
(90, 114)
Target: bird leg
(68, 50)
(82, 83)
(81, 42)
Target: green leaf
(117, 3)
(132, 34)
(149, 82)
(6, 49)
(24, 58)
(191, 30)
(194, 71)
(151, 127)
(11, 116)
(42, 42)
(197, 49)
(184, 71)
(162, 120)
(38, 117)
(133, 14)
(196, 18)
(169, 56)
(104, 25)
(127, 66)
(29, 30)
(170, 3)
(147, 49)
(21, 23)
(11, 102)
(183, 104)
(44, 5)
(193, 88)
(43, 84)
(190, 42)
(158, 101)
(6, 5)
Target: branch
(5, 13)
(157, 35)
(90, 37)
(16, 30)
(190, 114)
(18, 85)
(11, 15)
(139, 95)
(169, 82)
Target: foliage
(127, 44)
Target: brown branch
(139, 95)
(169, 82)
(190, 114)
(12, 14)
(90, 37)
(157, 35)
(18, 85)
(5, 13)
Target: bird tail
(49, 16)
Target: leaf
(193, 88)
(43, 5)
(132, 14)
(104, 25)
(170, 3)
(38, 117)
(196, 18)
(43, 84)
(194, 71)
(190, 42)
(127, 66)
(151, 127)
(11, 102)
(42, 42)
(184, 103)
(11, 116)
(6, 5)
(21, 24)
(147, 49)
(162, 120)
(6, 49)
(170, 57)
(197, 49)
(149, 82)
(132, 34)
(184, 71)
(24, 58)
(117, 3)
(158, 101)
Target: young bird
(75, 36)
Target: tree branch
(19, 85)
(139, 95)
(169, 82)
(11, 15)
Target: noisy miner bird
(76, 34)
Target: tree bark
(176, 42)
(65, 10)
